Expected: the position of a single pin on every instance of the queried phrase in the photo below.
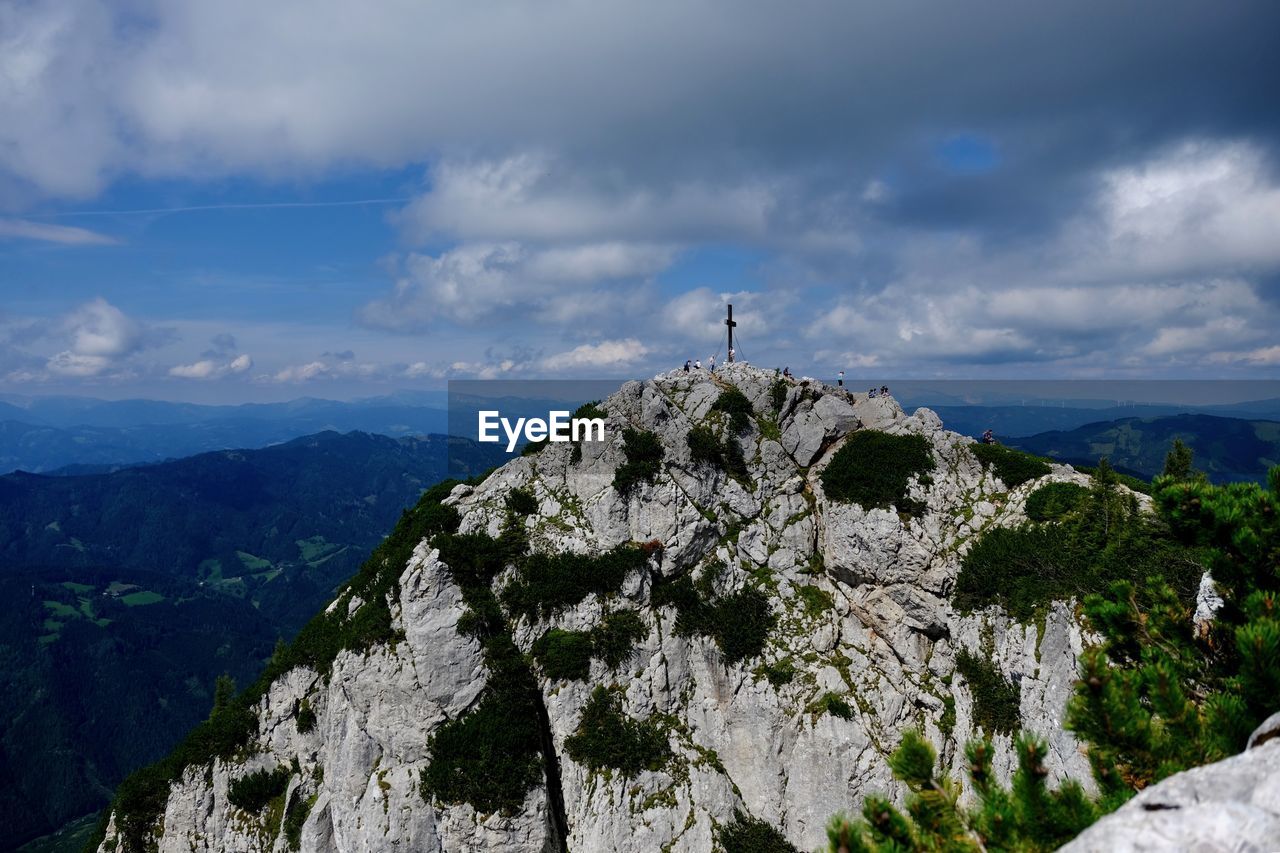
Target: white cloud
(102, 340)
(303, 372)
(699, 314)
(73, 364)
(1204, 205)
(25, 229)
(475, 282)
(902, 325)
(604, 354)
(208, 368)
(328, 367)
(98, 328)
(534, 198)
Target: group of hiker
(696, 364)
(784, 372)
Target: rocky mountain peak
(728, 610)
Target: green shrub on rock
(606, 738)
(548, 583)
(490, 757)
(1104, 538)
(996, 700)
(521, 502)
(736, 405)
(1162, 694)
(252, 792)
(750, 835)
(726, 454)
(644, 454)
(778, 395)
(304, 716)
(704, 444)
(564, 655)
(739, 622)
(1013, 467)
(1054, 500)
(615, 638)
(873, 469)
(1027, 816)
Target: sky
(247, 201)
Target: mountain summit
(727, 612)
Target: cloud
(223, 342)
(475, 283)
(74, 364)
(877, 205)
(303, 372)
(25, 229)
(189, 89)
(102, 339)
(529, 197)
(605, 354)
(699, 314)
(98, 328)
(1201, 206)
(211, 369)
(331, 366)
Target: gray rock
(1230, 806)
(861, 600)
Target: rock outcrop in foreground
(863, 646)
(1232, 804)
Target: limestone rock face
(861, 599)
(1232, 805)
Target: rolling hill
(1226, 449)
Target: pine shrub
(1159, 696)
(1102, 539)
(873, 469)
(996, 699)
(836, 706)
(564, 655)
(1013, 467)
(747, 834)
(725, 454)
(739, 622)
(491, 757)
(736, 405)
(304, 716)
(295, 817)
(606, 738)
(778, 395)
(548, 583)
(1052, 501)
(521, 502)
(1027, 816)
(252, 792)
(644, 454)
(614, 639)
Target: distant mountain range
(1009, 421)
(127, 593)
(42, 434)
(1227, 449)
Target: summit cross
(730, 323)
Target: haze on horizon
(241, 201)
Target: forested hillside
(130, 592)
